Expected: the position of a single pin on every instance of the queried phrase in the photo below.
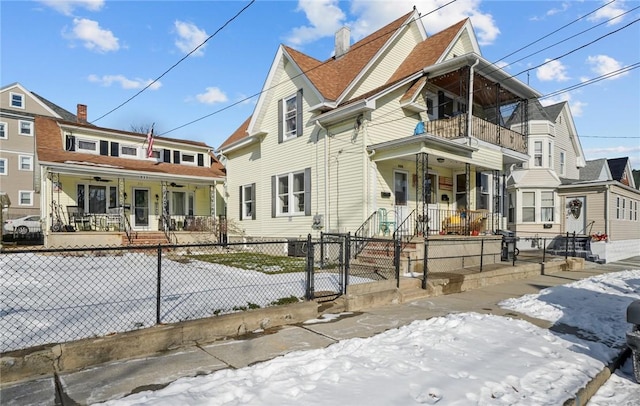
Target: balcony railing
(455, 127)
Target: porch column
(498, 126)
(422, 190)
(165, 206)
(212, 197)
(497, 212)
(467, 171)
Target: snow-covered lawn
(54, 298)
(459, 359)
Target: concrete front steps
(146, 238)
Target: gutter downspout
(326, 177)
(470, 101)
(607, 216)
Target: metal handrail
(363, 234)
(403, 237)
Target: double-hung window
(550, 155)
(25, 198)
(562, 162)
(4, 132)
(247, 202)
(547, 206)
(483, 189)
(528, 207)
(25, 163)
(87, 146)
(17, 100)
(292, 194)
(537, 153)
(511, 215)
(3, 166)
(290, 117)
(618, 208)
(26, 127)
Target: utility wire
(177, 63)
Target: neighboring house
(398, 132)
(19, 172)
(605, 203)
(555, 152)
(103, 183)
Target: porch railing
(362, 235)
(455, 127)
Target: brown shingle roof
(50, 149)
(427, 52)
(238, 134)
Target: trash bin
(296, 248)
(508, 244)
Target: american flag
(150, 141)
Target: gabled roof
(238, 134)
(334, 75)
(554, 110)
(50, 150)
(595, 170)
(535, 112)
(64, 114)
(617, 167)
(427, 52)
(53, 108)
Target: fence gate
(331, 255)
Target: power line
(177, 63)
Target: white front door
(401, 198)
(575, 214)
(141, 208)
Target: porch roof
(51, 153)
(408, 147)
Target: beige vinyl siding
(388, 62)
(541, 128)
(539, 178)
(625, 228)
(31, 105)
(389, 121)
(246, 167)
(488, 158)
(563, 142)
(461, 47)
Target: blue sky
(101, 53)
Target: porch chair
(78, 217)
(385, 225)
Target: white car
(22, 225)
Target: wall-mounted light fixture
(125, 195)
(440, 160)
(157, 197)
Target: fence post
(482, 253)
(566, 247)
(397, 260)
(321, 250)
(159, 284)
(347, 263)
(573, 239)
(425, 263)
(310, 289)
(544, 249)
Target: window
(25, 198)
(528, 207)
(430, 107)
(547, 206)
(624, 201)
(127, 150)
(617, 207)
(25, 163)
(512, 209)
(461, 191)
(431, 197)
(26, 127)
(247, 201)
(550, 156)
(181, 203)
(537, 153)
(3, 166)
(292, 194)
(290, 117)
(188, 158)
(97, 199)
(155, 154)
(630, 209)
(562, 162)
(482, 188)
(87, 145)
(635, 211)
(3, 131)
(17, 100)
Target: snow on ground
(459, 359)
(55, 298)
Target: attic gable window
(290, 117)
(17, 100)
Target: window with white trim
(550, 156)
(87, 146)
(188, 158)
(630, 209)
(528, 207)
(618, 207)
(3, 166)
(290, 117)
(624, 206)
(25, 163)
(562, 162)
(26, 127)
(17, 100)
(247, 200)
(635, 211)
(128, 151)
(25, 198)
(292, 193)
(547, 206)
(483, 187)
(537, 153)
(4, 130)
(512, 209)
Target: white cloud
(189, 37)
(92, 35)
(603, 65)
(325, 18)
(67, 7)
(125, 83)
(609, 11)
(552, 70)
(563, 8)
(211, 96)
(576, 106)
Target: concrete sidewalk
(118, 379)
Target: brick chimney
(343, 41)
(82, 113)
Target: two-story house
(19, 171)
(102, 186)
(398, 132)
